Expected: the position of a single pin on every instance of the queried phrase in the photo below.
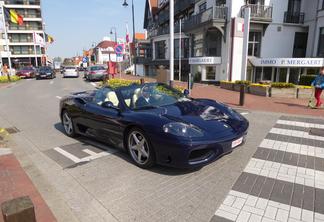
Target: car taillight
(92, 72)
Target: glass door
(210, 73)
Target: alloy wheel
(67, 123)
(138, 148)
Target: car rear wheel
(68, 124)
(140, 149)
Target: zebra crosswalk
(284, 180)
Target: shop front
(282, 69)
(208, 69)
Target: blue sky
(76, 24)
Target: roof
(140, 36)
(106, 44)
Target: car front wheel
(140, 149)
(68, 124)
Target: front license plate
(43, 75)
(237, 142)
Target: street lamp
(125, 4)
(111, 32)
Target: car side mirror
(109, 105)
(186, 92)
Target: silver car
(97, 72)
(71, 71)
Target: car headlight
(182, 129)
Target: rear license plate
(237, 142)
(43, 75)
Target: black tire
(148, 161)
(70, 133)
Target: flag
(49, 38)
(13, 16)
(127, 34)
(38, 39)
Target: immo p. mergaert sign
(287, 62)
(205, 60)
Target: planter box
(227, 85)
(304, 93)
(237, 88)
(259, 91)
(283, 93)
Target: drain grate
(316, 132)
(12, 130)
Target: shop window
(202, 7)
(320, 52)
(184, 48)
(210, 73)
(267, 73)
(254, 44)
(160, 50)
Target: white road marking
(5, 151)
(288, 173)
(244, 114)
(51, 82)
(240, 206)
(75, 159)
(293, 148)
(58, 97)
(94, 84)
(301, 124)
(295, 133)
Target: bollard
(242, 94)
(142, 81)
(19, 209)
(171, 83)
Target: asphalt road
(82, 180)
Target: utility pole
(180, 52)
(171, 24)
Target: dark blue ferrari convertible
(155, 123)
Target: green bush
(4, 79)
(116, 83)
(243, 82)
(306, 80)
(281, 85)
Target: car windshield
(151, 95)
(27, 68)
(96, 68)
(45, 69)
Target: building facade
(21, 38)
(285, 38)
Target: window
(184, 48)
(320, 52)
(323, 4)
(254, 44)
(203, 7)
(160, 50)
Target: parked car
(155, 123)
(97, 72)
(26, 72)
(70, 71)
(45, 72)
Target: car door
(103, 120)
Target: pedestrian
(318, 83)
(5, 71)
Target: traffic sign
(85, 59)
(119, 49)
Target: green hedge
(306, 80)
(281, 85)
(4, 79)
(243, 82)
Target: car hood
(212, 117)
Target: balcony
(259, 13)
(22, 2)
(183, 5)
(13, 27)
(212, 16)
(294, 17)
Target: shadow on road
(293, 105)
(122, 154)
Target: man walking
(318, 83)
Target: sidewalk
(14, 182)
(252, 102)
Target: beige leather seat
(112, 97)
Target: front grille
(197, 156)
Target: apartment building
(286, 38)
(21, 38)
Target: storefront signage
(162, 3)
(287, 62)
(205, 60)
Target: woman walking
(318, 83)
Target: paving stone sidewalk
(252, 102)
(284, 180)
(14, 183)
